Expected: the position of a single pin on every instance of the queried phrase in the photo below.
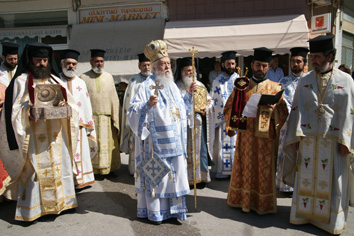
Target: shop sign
(321, 24)
(128, 13)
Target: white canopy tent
(122, 40)
(212, 37)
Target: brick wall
(212, 9)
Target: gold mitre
(155, 50)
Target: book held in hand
(270, 99)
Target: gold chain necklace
(320, 111)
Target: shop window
(33, 19)
(54, 40)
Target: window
(33, 19)
(348, 50)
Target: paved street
(109, 208)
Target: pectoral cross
(157, 87)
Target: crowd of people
(267, 133)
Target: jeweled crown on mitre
(155, 50)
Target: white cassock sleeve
(138, 113)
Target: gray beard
(323, 68)
(146, 73)
(68, 73)
(97, 70)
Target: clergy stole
(264, 115)
(315, 171)
(238, 122)
(48, 151)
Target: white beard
(68, 73)
(146, 73)
(97, 70)
(165, 80)
(187, 80)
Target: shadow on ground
(118, 199)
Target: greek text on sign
(120, 14)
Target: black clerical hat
(142, 57)
(9, 48)
(186, 61)
(97, 53)
(322, 43)
(299, 51)
(183, 62)
(39, 50)
(228, 55)
(70, 53)
(262, 54)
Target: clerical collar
(330, 70)
(257, 80)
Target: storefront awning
(212, 37)
(122, 40)
(32, 32)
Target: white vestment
(320, 173)
(201, 158)
(224, 145)
(44, 164)
(126, 135)
(6, 75)
(161, 130)
(87, 144)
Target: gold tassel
(23, 197)
(171, 176)
(153, 193)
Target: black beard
(10, 67)
(40, 72)
(297, 71)
(230, 71)
(259, 74)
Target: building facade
(122, 28)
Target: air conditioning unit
(321, 2)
